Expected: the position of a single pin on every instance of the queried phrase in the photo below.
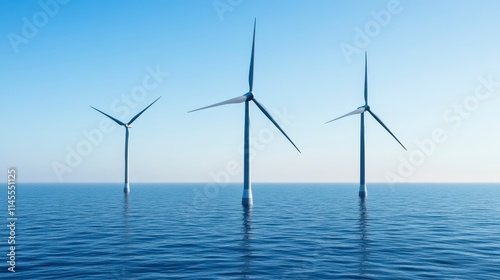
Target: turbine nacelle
(249, 95)
(365, 107)
(128, 125)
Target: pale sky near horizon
(433, 70)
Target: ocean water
(293, 231)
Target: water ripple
(294, 231)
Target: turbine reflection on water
(363, 236)
(125, 246)
(246, 249)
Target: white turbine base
(126, 189)
(363, 192)
(247, 199)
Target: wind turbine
(247, 199)
(127, 126)
(361, 110)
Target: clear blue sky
(60, 58)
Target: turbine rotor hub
(249, 95)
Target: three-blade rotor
(131, 120)
(249, 95)
(366, 107)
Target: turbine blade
(117, 121)
(366, 79)
(238, 99)
(136, 116)
(357, 111)
(386, 128)
(274, 122)
(250, 72)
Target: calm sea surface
(294, 231)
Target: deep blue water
(293, 231)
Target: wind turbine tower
(361, 110)
(127, 126)
(247, 199)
